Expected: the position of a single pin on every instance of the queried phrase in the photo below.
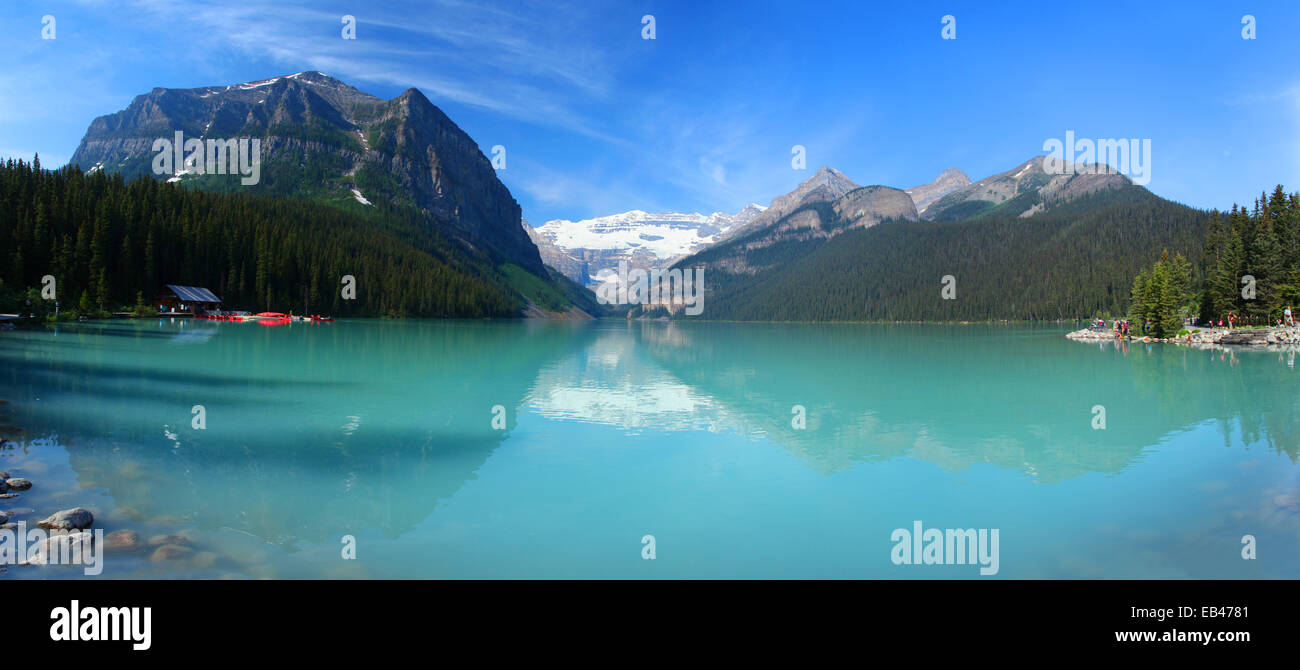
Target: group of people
(1119, 327)
(1287, 320)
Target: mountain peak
(826, 183)
(825, 178)
(948, 181)
(412, 153)
(413, 94)
(828, 174)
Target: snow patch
(258, 84)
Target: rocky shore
(70, 535)
(1281, 337)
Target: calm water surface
(383, 430)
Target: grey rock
(170, 552)
(160, 540)
(869, 205)
(18, 483)
(122, 541)
(77, 517)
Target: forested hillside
(107, 243)
(1075, 261)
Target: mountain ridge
(833, 260)
(948, 181)
(323, 139)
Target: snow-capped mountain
(582, 250)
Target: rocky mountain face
(323, 139)
(869, 205)
(823, 206)
(561, 260)
(585, 250)
(948, 181)
(825, 184)
(1023, 191)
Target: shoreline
(1273, 336)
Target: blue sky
(597, 120)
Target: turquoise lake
(384, 431)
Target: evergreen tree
(1267, 266)
(1160, 296)
(1225, 287)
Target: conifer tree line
(1250, 270)
(110, 244)
(1260, 244)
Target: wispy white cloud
(533, 64)
(728, 157)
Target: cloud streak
(527, 66)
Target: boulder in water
(75, 518)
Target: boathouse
(192, 299)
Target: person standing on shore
(1287, 317)
(1232, 320)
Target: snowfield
(666, 235)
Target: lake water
(384, 431)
